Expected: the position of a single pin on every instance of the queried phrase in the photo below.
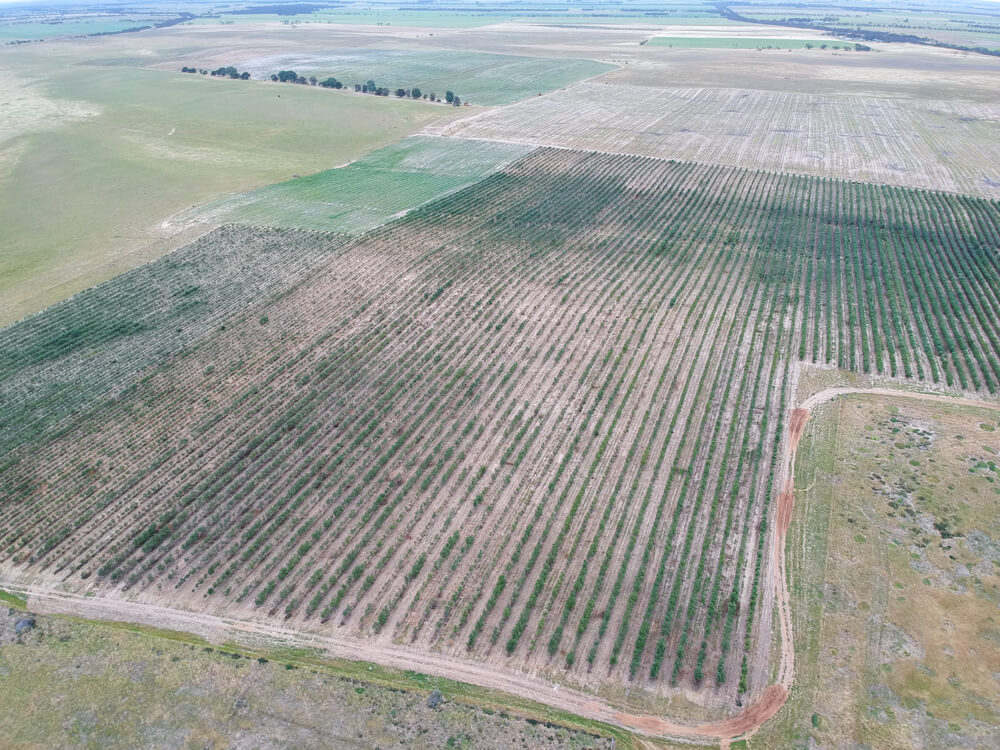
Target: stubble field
(943, 145)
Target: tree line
(226, 72)
(368, 87)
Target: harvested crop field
(535, 423)
(913, 143)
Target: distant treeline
(288, 9)
(227, 72)
(865, 35)
(369, 87)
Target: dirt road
(255, 634)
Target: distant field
(129, 148)
(895, 552)
(505, 428)
(70, 27)
(914, 143)
(967, 28)
(736, 42)
(445, 19)
(366, 193)
(477, 78)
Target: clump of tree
(186, 69)
(226, 72)
(331, 83)
(369, 87)
(290, 76)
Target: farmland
(126, 161)
(507, 428)
(476, 77)
(365, 193)
(941, 144)
(649, 398)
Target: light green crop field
(476, 78)
(128, 148)
(32, 30)
(366, 193)
(736, 42)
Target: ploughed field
(533, 423)
(945, 145)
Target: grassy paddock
(139, 158)
(366, 193)
(12, 600)
(87, 663)
(893, 565)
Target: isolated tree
(415, 93)
(449, 96)
(456, 102)
(357, 87)
(274, 76)
(245, 76)
(313, 80)
(371, 86)
(400, 92)
(433, 96)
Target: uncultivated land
(893, 559)
(72, 683)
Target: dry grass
(897, 628)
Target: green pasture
(366, 193)
(82, 196)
